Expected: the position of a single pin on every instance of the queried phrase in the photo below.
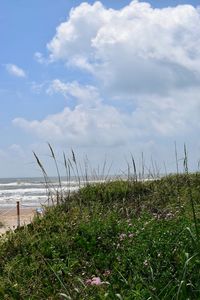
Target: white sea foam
(29, 192)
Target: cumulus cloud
(85, 94)
(140, 55)
(145, 63)
(15, 70)
(93, 122)
(82, 26)
(82, 126)
(174, 115)
(135, 49)
(90, 122)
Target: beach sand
(9, 218)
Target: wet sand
(9, 218)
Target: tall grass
(129, 235)
(191, 200)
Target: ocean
(30, 192)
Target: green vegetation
(114, 240)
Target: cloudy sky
(104, 78)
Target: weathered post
(18, 215)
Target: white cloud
(85, 94)
(135, 49)
(81, 28)
(15, 70)
(145, 63)
(146, 57)
(175, 115)
(81, 126)
(90, 122)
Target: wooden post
(18, 215)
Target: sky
(105, 78)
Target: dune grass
(121, 239)
(134, 236)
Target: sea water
(30, 192)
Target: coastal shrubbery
(123, 239)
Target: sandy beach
(9, 218)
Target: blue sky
(107, 78)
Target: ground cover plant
(121, 239)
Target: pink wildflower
(88, 281)
(94, 281)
